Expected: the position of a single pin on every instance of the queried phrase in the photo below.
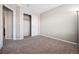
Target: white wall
(17, 22)
(35, 25)
(1, 27)
(60, 23)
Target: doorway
(7, 23)
(27, 25)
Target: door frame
(4, 6)
(30, 21)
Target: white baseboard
(59, 39)
(34, 35)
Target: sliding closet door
(26, 25)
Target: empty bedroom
(39, 28)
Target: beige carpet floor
(38, 45)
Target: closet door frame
(4, 6)
(30, 21)
(77, 12)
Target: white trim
(60, 39)
(14, 25)
(1, 26)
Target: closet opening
(27, 25)
(7, 23)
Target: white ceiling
(40, 8)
